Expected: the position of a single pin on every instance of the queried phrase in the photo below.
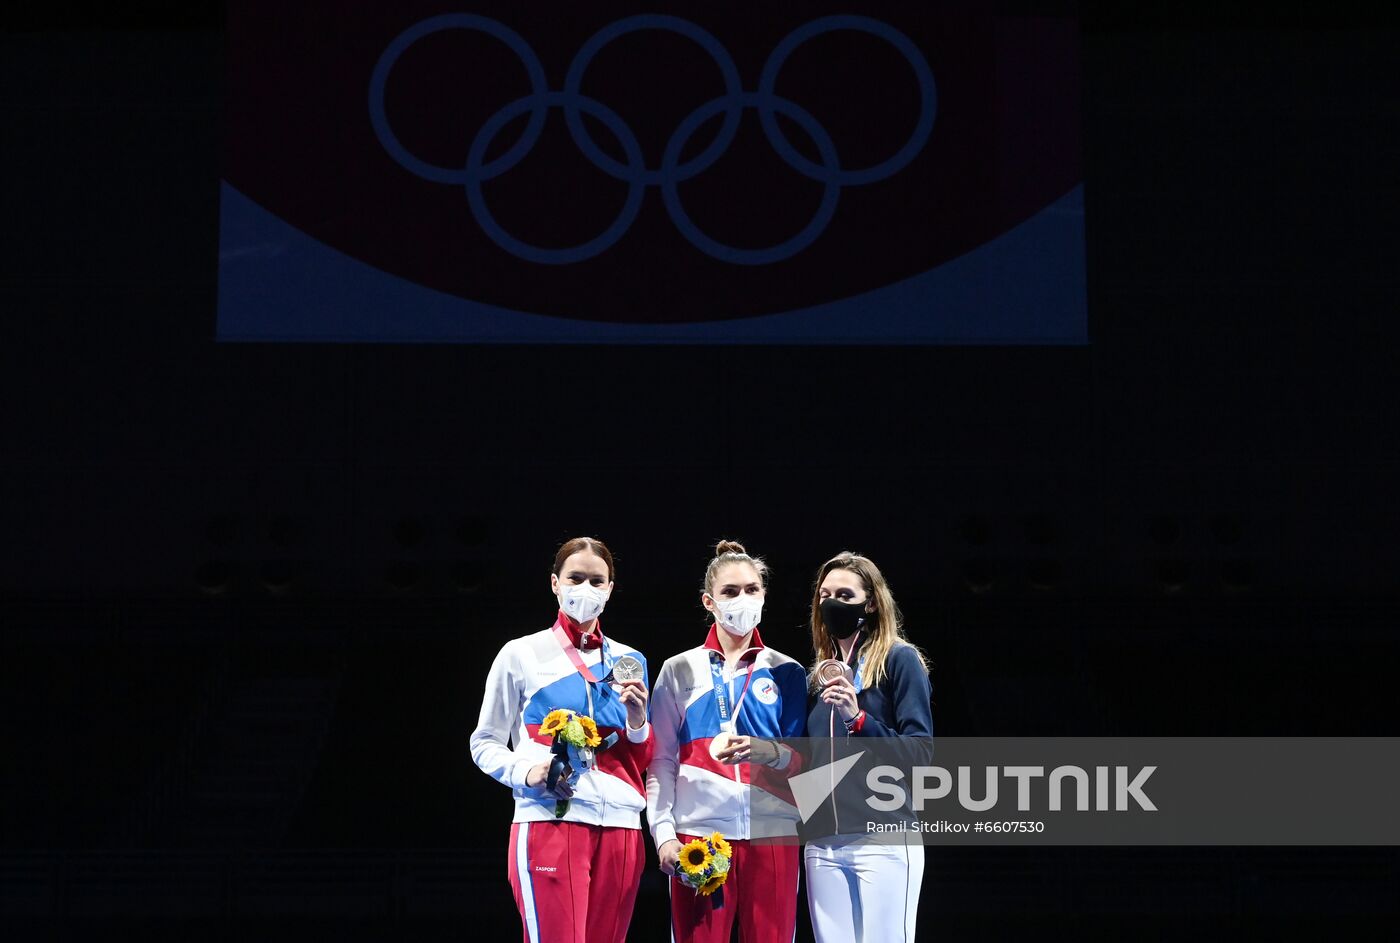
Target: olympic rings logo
(672, 170)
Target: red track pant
(761, 893)
(575, 883)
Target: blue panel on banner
(1025, 287)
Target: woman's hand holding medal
(732, 749)
(837, 688)
(631, 690)
(634, 695)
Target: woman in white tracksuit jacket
(714, 769)
(576, 850)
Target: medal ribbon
(722, 691)
(855, 681)
(567, 644)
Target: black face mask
(842, 619)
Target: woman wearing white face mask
(715, 771)
(576, 849)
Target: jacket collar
(582, 642)
(712, 642)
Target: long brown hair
(884, 627)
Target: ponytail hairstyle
(884, 627)
(727, 552)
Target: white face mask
(582, 603)
(739, 616)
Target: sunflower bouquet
(574, 729)
(703, 866)
(576, 743)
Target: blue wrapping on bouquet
(568, 762)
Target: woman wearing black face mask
(868, 682)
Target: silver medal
(627, 668)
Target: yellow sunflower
(720, 845)
(695, 857)
(590, 730)
(712, 885)
(554, 722)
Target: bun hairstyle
(731, 551)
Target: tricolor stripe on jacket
(532, 676)
(690, 791)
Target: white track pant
(864, 892)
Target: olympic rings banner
(523, 172)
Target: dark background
(250, 592)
